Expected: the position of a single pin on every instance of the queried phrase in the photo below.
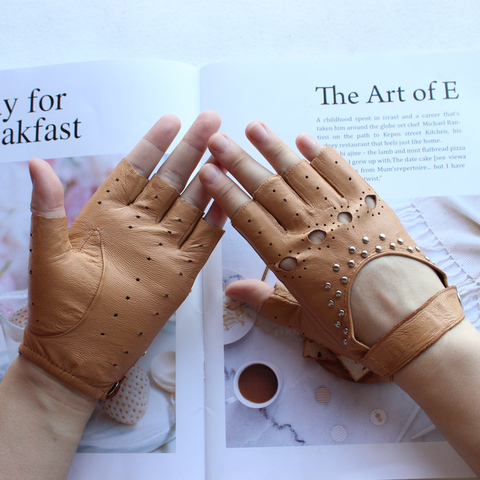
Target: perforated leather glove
(101, 290)
(314, 229)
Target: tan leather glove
(294, 223)
(101, 290)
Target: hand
(321, 229)
(101, 290)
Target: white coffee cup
(256, 384)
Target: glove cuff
(413, 335)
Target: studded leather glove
(101, 290)
(316, 226)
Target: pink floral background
(80, 177)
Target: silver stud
(427, 259)
(417, 248)
(400, 241)
(393, 246)
(364, 254)
(331, 303)
(351, 263)
(459, 299)
(328, 286)
(341, 313)
(344, 280)
(382, 236)
(338, 293)
(336, 267)
(410, 249)
(365, 240)
(345, 341)
(345, 331)
(352, 250)
(338, 324)
(378, 248)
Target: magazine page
(408, 126)
(84, 118)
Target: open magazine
(405, 123)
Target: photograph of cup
(256, 384)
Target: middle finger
(249, 173)
(182, 162)
(276, 152)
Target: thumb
(277, 305)
(252, 292)
(47, 194)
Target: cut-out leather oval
(345, 217)
(317, 236)
(288, 264)
(371, 201)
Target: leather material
(415, 334)
(295, 215)
(101, 290)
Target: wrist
(444, 381)
(40, 415)
(47, 388)
(53, 408)
(453, 355)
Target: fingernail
(308, 141)
(210, 173)
(219, 143)
(258, 132)
(235, 296)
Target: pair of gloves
(101, 290)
